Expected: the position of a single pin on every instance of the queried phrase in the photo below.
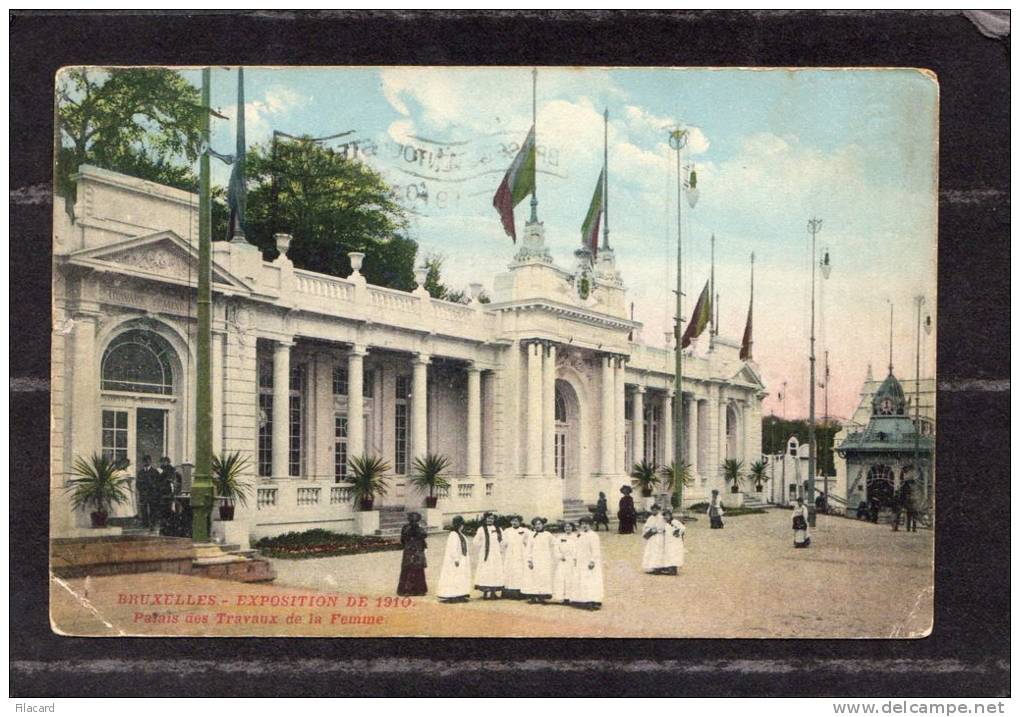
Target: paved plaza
(856, 580)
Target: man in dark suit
(147, 484)
(169, 487)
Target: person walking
(654, 534)
(801, 532)
(413, 562)
(715, 511)
(673, 552)
(601, 516)
(627, 514)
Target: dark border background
(968, 652)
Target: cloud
(261, 115)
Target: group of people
(515, 563)
(664, 542)
(157, 489)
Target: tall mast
(678, 139)
(202, 488)
(534, 125)
(605, 180)
(713, 330)
(814, 226)
(890, 335)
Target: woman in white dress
(488, 542)
(674, 553)
(455, 577)
(801, 534)
(538, 578)
(590, 589)
(654, 534)
(565, 575)
(515, 541)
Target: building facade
(538, 398)
(890, 436)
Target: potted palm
(645, 476)
(428, 471)
(226, 473)
(757, 474)
(368, 479)
(100, 484)
(733, 473)
(676, 475)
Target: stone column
(621, 419)
(355, 401)
(607, 427)
(86, 374)
(216, 378)
(692, 436)
(419, 406)
(534, 447)
(549, 410)
(638, 423)
(667, 426)
(281, 409)
(474, 421)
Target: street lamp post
(814, 226)
(919, 300)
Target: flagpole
(237, 231)
(202, 488)
(534, 126)
(678, 140)
(711, 291)
(605, 179)
(814, 226)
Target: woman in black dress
(412, 566)
(627, 514)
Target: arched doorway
(140, 399)
(567, 458)
(881, 486)
(731, 433)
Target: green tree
(144, 122)
(433, 263)
(775, 432)
(331, 205)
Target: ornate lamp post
(814, 226)
(919, 301)
(677, 141)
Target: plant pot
(757, 488)
(430, 501)
(226, 512)
(366, 504)
(734, 489)
(99, 518)
(646, 492)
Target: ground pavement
(856, 580)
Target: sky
(772, 149)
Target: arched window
(561, 408)
(138, 361)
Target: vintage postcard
(493, 351)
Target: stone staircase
(751, 500)
(574, 510)
(391, 520)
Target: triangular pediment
(162, 256)
(747, 374)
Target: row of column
(541, 401)
(356, 407)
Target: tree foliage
(144, 122)
(331, 205)
(775, 432)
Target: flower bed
(702, 508)
(319, 543)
